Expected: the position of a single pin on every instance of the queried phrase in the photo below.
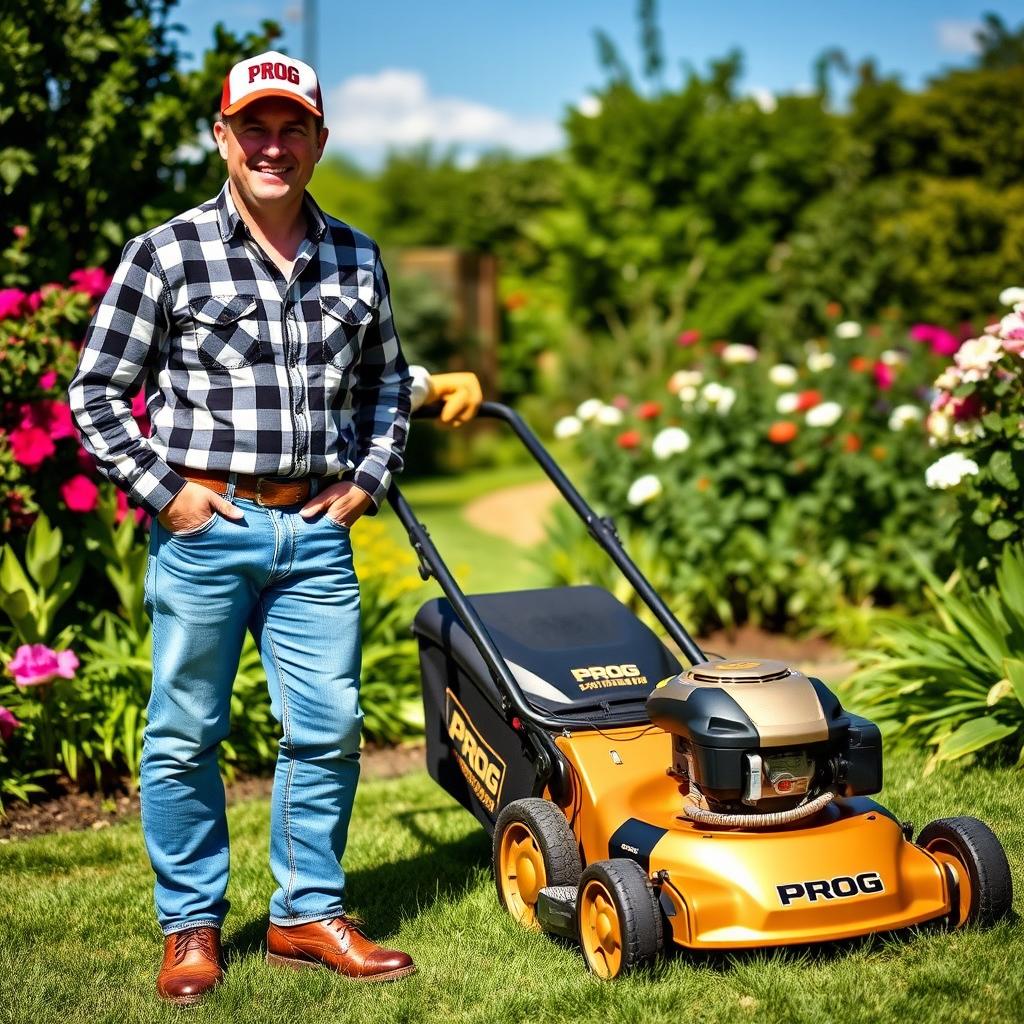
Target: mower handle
(600, 528)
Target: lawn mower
(636, 804)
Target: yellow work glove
(460, 393)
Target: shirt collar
(231, 222)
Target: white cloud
(958, 36)
(368, 114)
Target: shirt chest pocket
(229, 330)
(345, 320)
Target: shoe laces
(345, 923)
(194, 938)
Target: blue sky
(396, 72)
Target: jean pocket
(334, 522)
(194, 531)
(228, 331)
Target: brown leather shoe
(339, 945)
(192, 967)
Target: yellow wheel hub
(600, 931)
(945, 853)
(522, 873)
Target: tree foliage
(100, 129)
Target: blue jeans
(291, 582)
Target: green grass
(78, 940)
(481, 562)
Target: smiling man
(261, 330)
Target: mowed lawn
(78, 941)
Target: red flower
(808, 400)
(851, 443)
(629, 439)
(782, 432)
(30, 446)
(883, 375)
(833, 310)
(92, 281)
(11, 302)
(8, 723)
(80, 494)
(515, 300)
(860, 364)
(649, 410)
(686, 338)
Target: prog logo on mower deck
(839, 888)
(477, 760)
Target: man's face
(271, 148)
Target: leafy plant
(955, 683)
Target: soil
(515, 513)
(70, 810)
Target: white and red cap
(271, 74)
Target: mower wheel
(974, 859)
(618, 917)
(534, 847)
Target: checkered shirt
(242, 370)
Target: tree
(100, 129)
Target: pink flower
(621, 402)
(8, 723)
(20, 231)
(123, 508)
(85, 461)
(51, 415)
(48, 380)
(941, 341)
(883, 375)
(686, 338)
(30, 446)
(92, 281)
(11, 300)
(80, 494)
(36, 665)
(34, 301)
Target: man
(279, 400)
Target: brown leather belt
(268, 491)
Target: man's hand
(344, 502)
(461, 395)
(193, 505)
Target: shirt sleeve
(382, 399)
(120, 347)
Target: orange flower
(860, 364)
(851, 443)
(808, 400)
(833, 310)
(649, 410)
(515, 300)
(703, 483)
(782, 432)
(629, 439)
(878, 452)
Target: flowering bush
(778, 489)
(978, 413)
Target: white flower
(824, 415)
(1011, 296)
(966, 431)
(849, 329)
(737, 353)
(782, 375)
(643, 489)
(684, 379)
(787, 403)
(712, 391)
(903, 415)
(892, 357)
(688, 394)
(820, 361)
(670, 441)
(568, 426)
(589, 409)
(725, 400)
(939, 425)
(609, 416)
(948, 379)
(1011, 322)
(976, 356)
(949, 471)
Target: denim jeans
(292, 584)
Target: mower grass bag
(636, 804)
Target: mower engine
(756, 742)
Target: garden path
(515, 513)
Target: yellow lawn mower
(637, 804)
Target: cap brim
(260, 94)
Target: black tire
(541, 824)
(637, 914)
(980, 854)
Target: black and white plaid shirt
(244, 371)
